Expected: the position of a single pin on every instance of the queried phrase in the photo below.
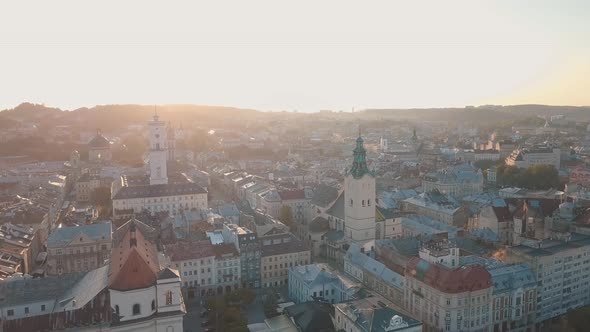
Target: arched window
(117, 309)
(169, 297)
(136, 309)
(153, 305)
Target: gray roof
(319, 224)
(405, 246)
(337, 209)
(80, 286)
(311, 316)
(281, 244)
(323, 195)
(334, 235)
(159, 190)
(355, 256)
(63, 236)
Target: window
(117, 310)
(136, 309)
(351, 202)
(363, 203)
(43, 307)
(153, 305)
(10, 312)
(169, 297)
(368, 202)
(26, 310)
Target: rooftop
(65, 235)
(182, 251)
(450, 281)
(281, 244)
(159, 190)
(375, 314)
(72, 289)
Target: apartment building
(78, 248)
(279, 253)
(562, 270)
(195, 262)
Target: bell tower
(158, 151)
(359, 196)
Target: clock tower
(158, 151)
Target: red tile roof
(450, 281)
(134, 262)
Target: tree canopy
(286, 216)
(535, 177)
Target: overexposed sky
(295, 55)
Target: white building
(456, 181)
(527, 157)
(561, 267)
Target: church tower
(158, 151)
(171, 143)
(359, 197)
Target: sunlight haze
(303, 55)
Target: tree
(286, 216)
(101, 196)
(535, 177)
(247, 295)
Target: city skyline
(304, 57)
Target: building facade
(528, 157)
(246, 243)
(78, 249)
(279, 253)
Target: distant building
(79, 249)
(86, 185)
(437, 206)
(99, 149)
(456, 181)
(528, 157)
(160, 192)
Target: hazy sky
(295, 55)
